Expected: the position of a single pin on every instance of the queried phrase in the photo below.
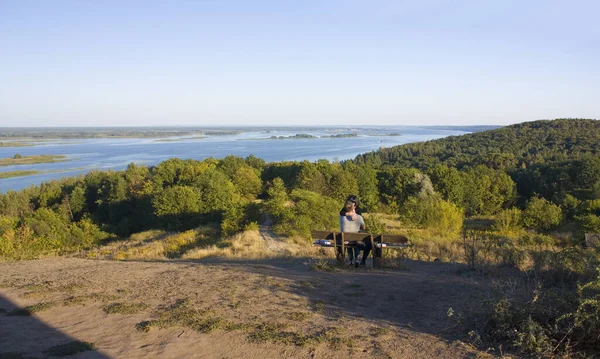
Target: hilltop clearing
(279, 308)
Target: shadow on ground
(29, 337)
(417, 298)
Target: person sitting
(352, 222)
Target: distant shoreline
(31, 160)
(37, 134)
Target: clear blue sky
(226, 62)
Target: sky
(339, 62)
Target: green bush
(508, 220)
(554, 313)
(374, 224)
(541, 214)
(443, 217)
(307, 211)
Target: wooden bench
(342, 240)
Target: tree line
(234, 193)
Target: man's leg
(366, 251)
(350, 254)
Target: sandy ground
(280, 308)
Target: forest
(541, 177)
(532, 189)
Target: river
(84, 155)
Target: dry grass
(248, 245)
(251, 245)
(155, 244)
(124, 308)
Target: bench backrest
(390, 238)
(323, 235)
(377, 238)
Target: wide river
(84, 155)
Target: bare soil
(212, 308)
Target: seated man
(352, 222)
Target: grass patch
(379, 331)
(102, 297)
(247, 245)
(324, 265)
(275, 333)
(70, 348)
(319, 306)
(74, 301)
(124, 308)
(298, 316)
(29, 310)
(15, 144)
(182, 314)
(11, 174)
(161, 245)
(31, 160)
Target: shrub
(589, 223)
(308, 211)
(508, 220)
(443, 217)
(374, 224)
(540, 214)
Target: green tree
(247, 180)
(277, 198)
(217, 193)
(255, 162)
(77, 202)
(540, 214)
(448, 182)
(230, 165)
(309, 211)
(442, 217)
(396, 185)
(178, 207)
(366, 179)
(487, 191)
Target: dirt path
(273, 242)
(231, 309)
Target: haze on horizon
(264, 63)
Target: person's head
(351, 202)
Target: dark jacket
(343, 211)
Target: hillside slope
(508, 147)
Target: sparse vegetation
(182, 313)
(30, 309)
(124, 308)
(30, 160)
(11, 174)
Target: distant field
(195, 138)
(37, 134)
(15, 144)
(31, 160)
(18, 173)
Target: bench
(342, 240)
